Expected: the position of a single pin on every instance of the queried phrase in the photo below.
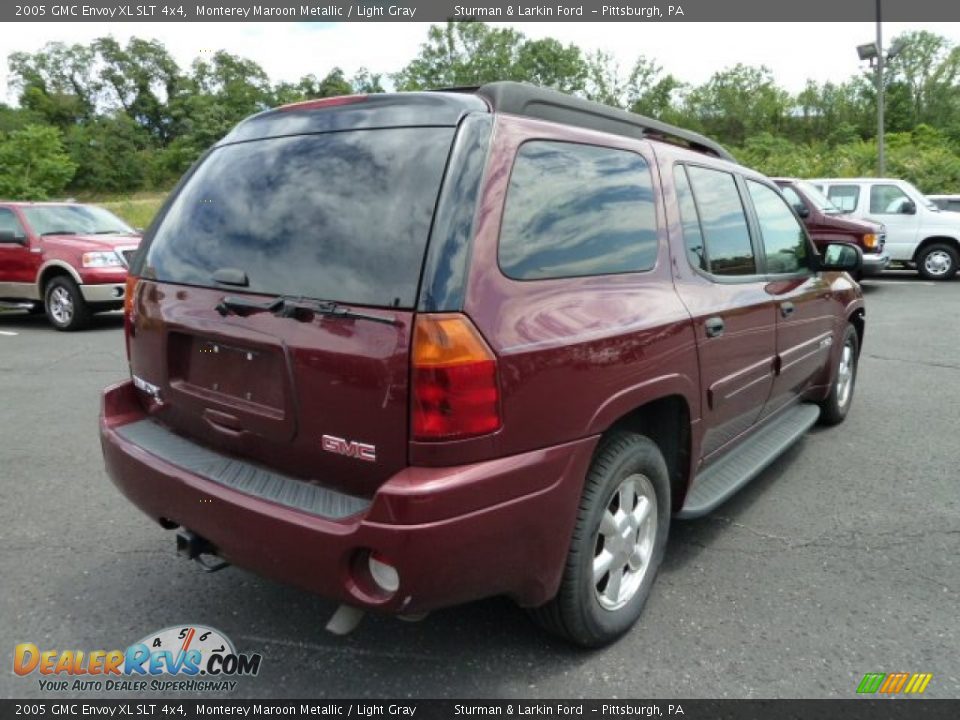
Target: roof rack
(545, 104)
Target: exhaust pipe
(193, 547)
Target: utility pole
(881, 160)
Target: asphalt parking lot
(843, 558)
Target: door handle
(714, 326)
(787, 309)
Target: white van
(919, 234)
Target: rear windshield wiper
(297, 308)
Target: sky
(691, 51)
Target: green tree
(739, 102)
(141, 79)
(58, 81)
(34, 164)
(109, 154)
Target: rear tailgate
(288, 221)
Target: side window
(784, 242)
(724, 224)
(574, 210)
(887, 200)
(844, 197)
(690, 221)
(953, 205)
(9, 223)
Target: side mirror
(802, 210)
(909, 207)
(12, 236)
(841, 257)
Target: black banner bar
(489, 10)
(853, 709)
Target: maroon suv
(826, 223)
(411, 350)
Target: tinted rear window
(338, 216)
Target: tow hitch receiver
(193, 547)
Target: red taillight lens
(128, 304)
(455, 392)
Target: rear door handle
(787, 309)
(715, 326)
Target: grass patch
(137, 210)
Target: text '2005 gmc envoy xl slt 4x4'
(411, 350)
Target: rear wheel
(66, 309)
(834, 409)
(938, 262)
(617, 544)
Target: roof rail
(536, 102)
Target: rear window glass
(336, 216)
(576, 210)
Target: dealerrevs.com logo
(183, 658)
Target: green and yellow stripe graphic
(893, 683)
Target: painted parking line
(7, 332)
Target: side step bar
(723, 478)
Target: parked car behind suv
(946, 202)
(412, 350)
(918, 233)
(826, 223)
(66, 259)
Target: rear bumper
(109, 293)
(875, 263)
(456, 534)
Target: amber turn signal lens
(455, 391)
(128, 291)
(869, 240)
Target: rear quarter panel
(575, 354)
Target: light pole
(873, 53)
(881, 159)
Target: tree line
(108, 118)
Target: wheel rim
(845, 375)
(938, 262)
(61, 305)
(624, 542)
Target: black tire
(576, 613)
(938, 262)
(834, 409)
(64, 304)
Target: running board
(738, 467)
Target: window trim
(758, 257)
(506, 194)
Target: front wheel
(938, 262)
(834, 409)
(66, 309)
(617, 544)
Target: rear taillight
(455, 392)
(128, 308)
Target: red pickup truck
(66, 259)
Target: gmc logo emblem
(360, 451)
